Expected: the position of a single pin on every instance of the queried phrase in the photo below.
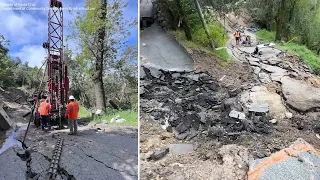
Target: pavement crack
(90, 156)
(64, 172)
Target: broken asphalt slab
(300, 161)
(88, 155)
(299, 95)
(5, 121)
(181, 148)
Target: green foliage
(306, 55)
(217, 34)
(119, 73)
(223, 54)
(15, 74)
(130, 116)
(265, 35)
(294, 19)
(190, 45)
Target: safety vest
(72, 110)
(44, 109)
(237, 34)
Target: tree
(100, 33)
(203, 21)
(184, 20)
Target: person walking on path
(44, 114)
(237, 35)
(72, 115)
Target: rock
(316, 129)
(273, 121)
(302, 99)
(252, 59)
(5, 121)
(264, 78)
(182, 136)
(261, 95)
(142, 90)
(165, 124)
(293, 74)
(256, 70)
(178, 100)
(175, 75)
(277, 76)
(272, 69)
(192, 133)
(289, 115)
(274, 61)
(194, 77)
(253, 63)
(186, 122)
(142, 74)
(262, 108)
(202, 117)
(237, 115)
(154, 72)
(216, 132)
(158, 154)
(181, 148)
(233, 92)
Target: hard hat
(71, 97)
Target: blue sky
(27, 29)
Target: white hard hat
(71, 97)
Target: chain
(53, 168)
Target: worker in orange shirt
(237, 35)
(72, 115)
(44, 110)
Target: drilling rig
(57, 89)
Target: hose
(33, 107)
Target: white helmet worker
(71, 98)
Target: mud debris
(189, 101)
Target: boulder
(5, 121)
(299, 95)
(260, 95)
(237, 115)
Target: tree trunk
(279, 21)
(278, 30)
(203, 22)
(98, 72)
(185, 23)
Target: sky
(28, 29)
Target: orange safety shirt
(44, 108)
(237, 34)
(72, 110)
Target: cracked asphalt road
(163, 51)
(110, 153)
